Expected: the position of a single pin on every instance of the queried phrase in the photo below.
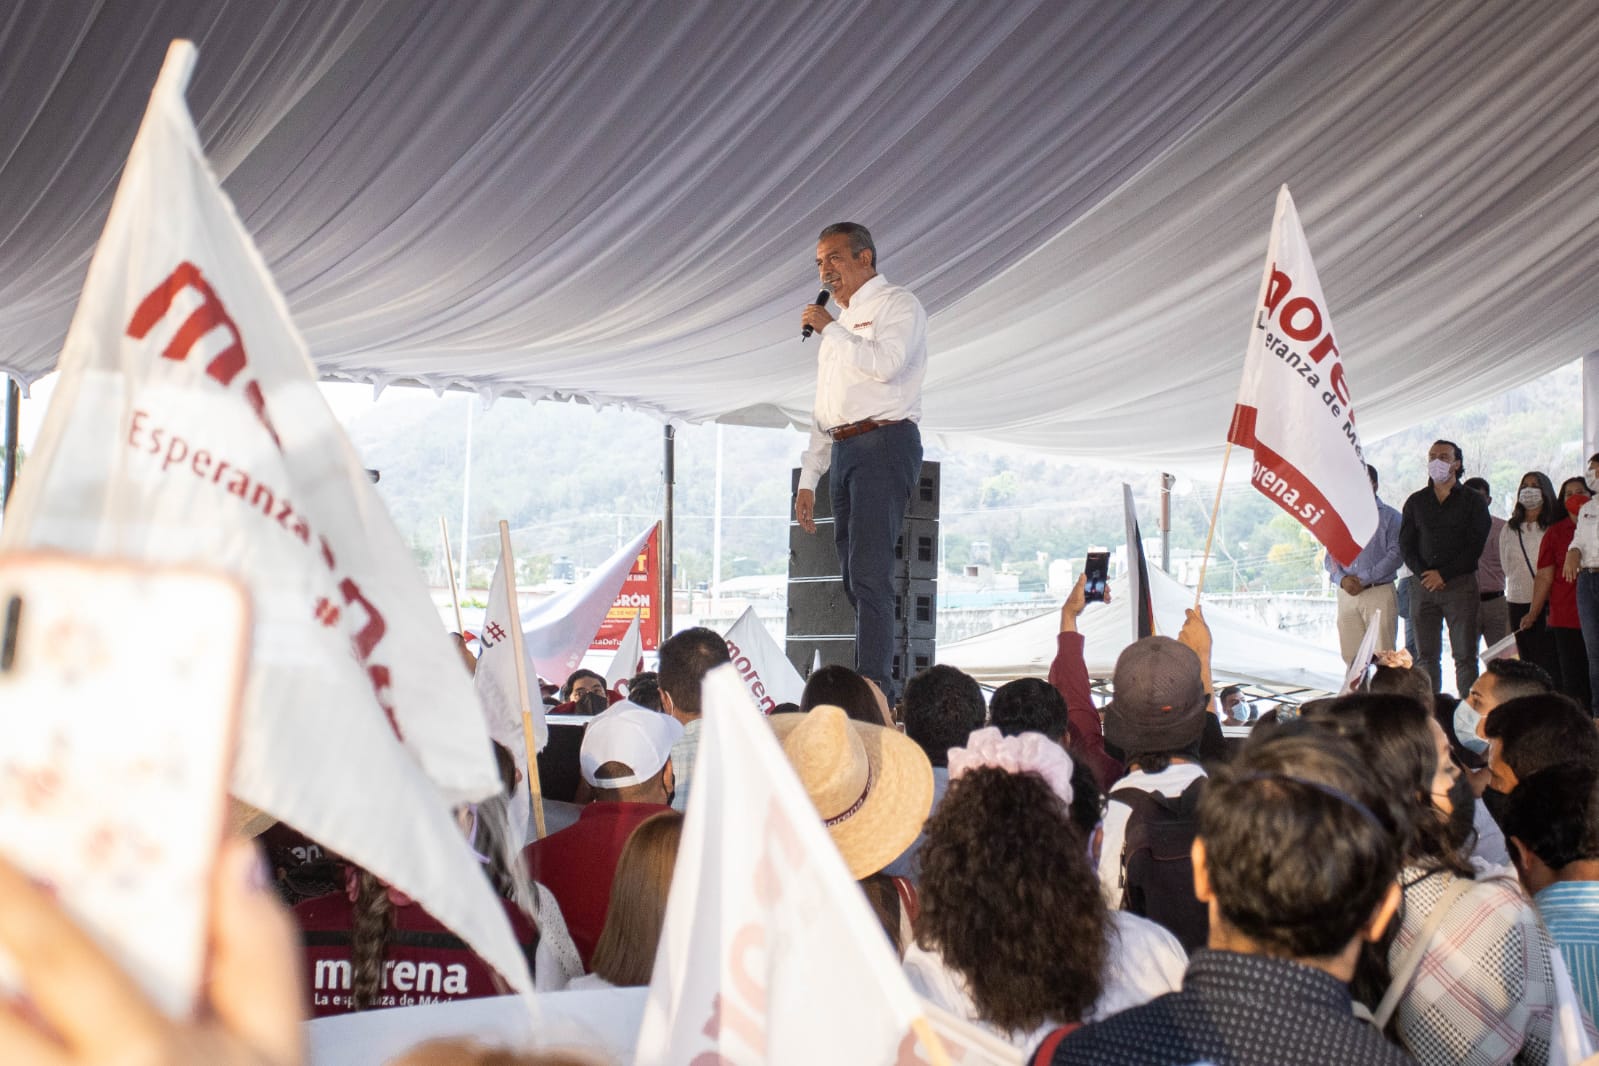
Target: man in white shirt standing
(869, 369)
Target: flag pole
(930, 1041)
(534, 788)
(1215, 511)
(449, 568)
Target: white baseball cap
(636, 737)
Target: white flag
(629, 657)
(769, 952)
(187, 426)
(557, 632)
(761, 664)
(1363, 655)
(498, 692)
(1294, 409)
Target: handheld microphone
(821, 301)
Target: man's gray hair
(860, 238)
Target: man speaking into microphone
(869, 368)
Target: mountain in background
(576, 482)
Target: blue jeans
(1588, 615)
(872, 476)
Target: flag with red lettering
(187, 426)
(1294, 409)
(769, 952)
(761, 664)
(629, 657)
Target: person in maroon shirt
(626, 758)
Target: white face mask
(1438, 470)
(1593, 484)
(1530, 497)
(1466, 719)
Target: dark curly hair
(1028, 705)
(1010, 902)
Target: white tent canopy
(1242, 650)
(619, 200)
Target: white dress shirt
(1518, 555)
(1586, 539)
(870, 364)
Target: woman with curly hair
(1013, 933)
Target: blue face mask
(1466, 719)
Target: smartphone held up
(1096, 574)
(120, 686)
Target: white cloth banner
(629, 657)
(187, 426)
(1294, 409)
(599, 1020)
(498, 692)
(769, 953)
(761, 664)
(557, 632)
(1363, 655)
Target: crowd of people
(1391, 875)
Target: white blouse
(1520, 571)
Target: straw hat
(872, 786)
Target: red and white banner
(761, 664)
(187, 426)
(1294, 409)
(638, 600)
(557, 632)
(769, 952)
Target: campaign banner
(761, 664)
(766, 932)
(639, 599)
(187, 427)
(1294, 409)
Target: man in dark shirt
(1273, 986)
(1442, 531)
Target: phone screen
(1096, 570)
(119, 692)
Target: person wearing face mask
(1537, 508)
(1582, 566)
(1555, 587)
(1442, 531)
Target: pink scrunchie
(1028, 753)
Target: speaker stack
(820, 618)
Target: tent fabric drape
(618, 202)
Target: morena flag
(1294, 409)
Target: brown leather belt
(855, 429)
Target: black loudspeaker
(819, 608)
(911, 658)
(820, 617)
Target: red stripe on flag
(1329, 529)
(1242, 430)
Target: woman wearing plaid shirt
(1483, 991)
